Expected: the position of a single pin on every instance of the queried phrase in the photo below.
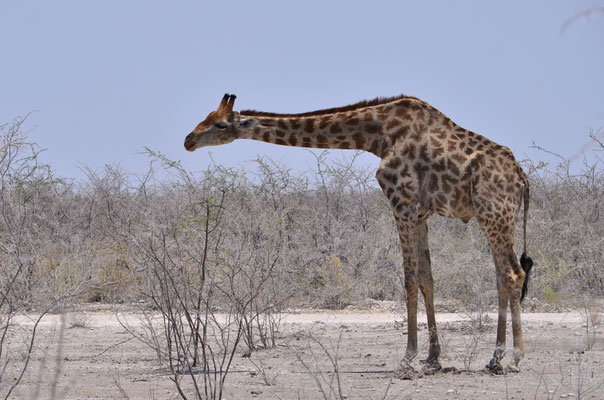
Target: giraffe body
(429, 165)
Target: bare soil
(100, 360)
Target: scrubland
(211, 263)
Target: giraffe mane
(351, 107)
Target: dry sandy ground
(95, 362)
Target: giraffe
(429, 165)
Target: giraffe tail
(525, 261)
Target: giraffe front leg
(407, 228)
(426, 285)
(411, 286)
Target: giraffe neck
(358, 129)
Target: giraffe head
(219, 127)
(216, 128)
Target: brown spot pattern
(295, 124)
(309, 125)
(322, 139)
(359, 140)
(373, 128)
(335, 128)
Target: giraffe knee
(411, 286)
(424, 259)
(426, 282)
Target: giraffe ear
(248, 123)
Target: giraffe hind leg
(510, 280)
(503, 297)
(496, 212)
(517, 284)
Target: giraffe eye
(220, 125)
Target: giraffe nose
(189, 141)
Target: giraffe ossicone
(429, 166)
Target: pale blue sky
(110, 77)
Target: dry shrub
(329, 232)
(23, 183)
(567, 227)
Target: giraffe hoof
(405, 371)
(512, 369)
(405, 365)
(431, 365)
(494, 367)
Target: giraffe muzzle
(189, 142)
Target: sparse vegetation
(78, 320)
(317, 231)
(250, 245)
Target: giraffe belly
(452, 205)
